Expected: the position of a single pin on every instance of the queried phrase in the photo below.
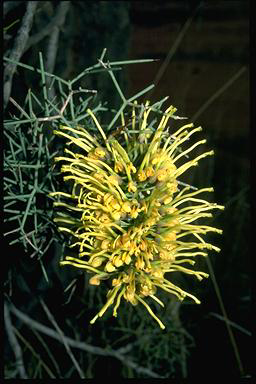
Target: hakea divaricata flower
(126, 214)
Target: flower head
(127, 214)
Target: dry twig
(19, 48)
(14, 342)
(82, 345)
(57, 21)
(66, 345)
(53, 42)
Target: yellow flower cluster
(126, 213)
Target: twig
(36, 355)
(32, 245)
(23, 113)
(63, 339)
(57, 21)
(242, 329)
(79, 344)
(14, 343)
(173, 49)
(137, 367)
(53, 44)
(19, 48)
(51, 58)
(60, 115)
(227, 321)
(218, 93)
(44, 344)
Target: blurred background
(202, 49)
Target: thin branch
(218, 93)
(14, 342)
(47, 349)
(51, 58)
(225, 316)
(173, 49)
(137, 367)
(23, 113)
(66, 345)
(53, 44)
(19, 48)
(57, 21)
(80, 344)
(50, 118)
(235, 325)
(35, 354)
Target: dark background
(214, 48)
(209, 61)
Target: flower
(128, 214)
